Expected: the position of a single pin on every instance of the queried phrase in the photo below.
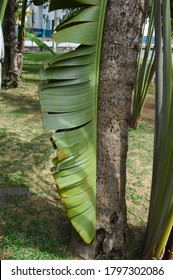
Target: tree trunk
(12, 62)
(1, 51)
(122, 32)
(21, 28)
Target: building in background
(41, 21)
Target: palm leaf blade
(64, 73)
(87, 15)
(67, 120)
(85, 33)
(68, 95)
(80, 51)
(39, 42)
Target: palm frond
(68, 96)
(3, 5)
(39, 42)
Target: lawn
(35, 226)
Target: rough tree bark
(12, 62)
(118, 70)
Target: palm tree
(10, 66)
(21, 27)
(118, 69)
(71, 81)
(13, 60)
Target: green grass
(37, 227)
(139, 168)
(30, 233)
(139, 172)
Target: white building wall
(38, 16)
(41, 18)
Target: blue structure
(145, 39)
(40, 32)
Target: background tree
(21, 27)
(1, 51)
(2, 11)
(14, 47)
(11, 67)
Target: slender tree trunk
(11, 65)
(21, 27)
(1, 51)
(122, 32)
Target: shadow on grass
(24, 103)
(22, 160)
(31, 80)
(30, 68)
(34, 229)
(37, 57)
(135, 242)
(38, 228)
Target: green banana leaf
(39, 42)
(3, 5)
(68, 97)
